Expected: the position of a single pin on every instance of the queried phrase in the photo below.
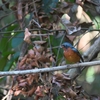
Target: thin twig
(9, 24)
(42, 29)
(33, 71)
(37, 22)
(30, 36)
(36, 29)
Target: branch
(32, 71)
(44, 29)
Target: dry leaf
(31, 53)
(27, 36)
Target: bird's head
(66, 45)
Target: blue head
(67, 45)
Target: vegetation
(31, 34)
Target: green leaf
(5, 47)
(6, 54)
(10, 63)
(12, 27)
(16, 55)
(56, 42)
(17, 41)
(5, 43)
(3, 62)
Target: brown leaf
(40, 48)
(19, 78)
(27, 36)
(31, 53)
(23, 84)
(37, 53)
(39, 42)
(28, 60)
(44, 59)
(30, 92)
(34, 63)
(22, 62)
(32, 78)
(52, 59)
(72, 93)
(59, 76)
(22, 67)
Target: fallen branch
(69, 66)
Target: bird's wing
(78, 53)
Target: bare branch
(32, 71)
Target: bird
(71, 54)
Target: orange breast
(71, 56)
